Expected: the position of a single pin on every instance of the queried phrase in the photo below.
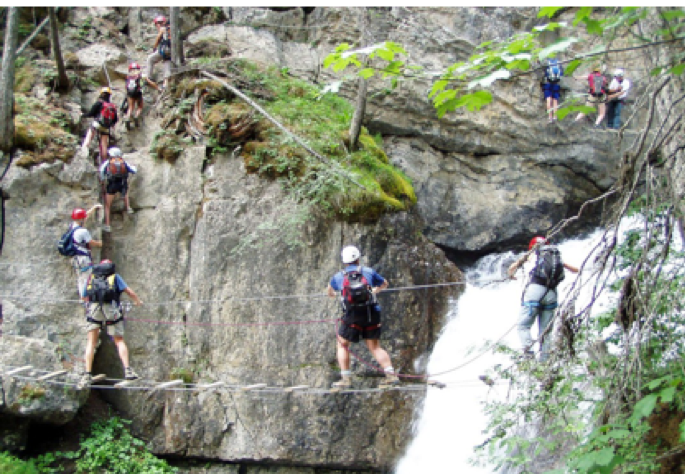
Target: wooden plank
(52, 375)
(210, 385)
(20, 369)
(164, 385)
(296, 387)
(247, 388)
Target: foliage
(13, 465)
(109, 448)
(468, 83)
(166, 145)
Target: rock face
(232, 273)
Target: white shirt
(624, 86)
(82, 238)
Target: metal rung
(99, 378)
(173, 383)
(296, 387)
(210, 385)
(247, 388)
(52, 375)
(20, 369)
(125, 383)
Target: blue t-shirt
(118, 282)
(370, 274)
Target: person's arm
(331, 292)
(571, 268)
(92, 209)
(131, 168)
(152, 83)
(133, 296)
(516, 265)
(158, 39)
(94, 243)
(377, 289)
(94, 110)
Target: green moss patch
(166, 145)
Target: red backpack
(117, 167)
(356, 291)
(108, 114)
(597, 84)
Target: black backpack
(597, 85)
(165, 46)
(549, 268)
(102, 286)
(356, 291)
(133, 87)
(66, 245)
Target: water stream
(451, 421)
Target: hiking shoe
(85, 381)
(391, 379)
(598, 126)
(130, 210)
(106, 228)
(345, 382)
(130, 374)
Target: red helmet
(133, 66)
(536, 240)
(160, 19)
(105, 261)
(78, 214)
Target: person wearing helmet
(103, 295)
(358, 287)
(83, 260)
(135, 82)
(539, 300)
(618, 91)
(161, 49)
(105, 118)
(114, 172)
(597, 94)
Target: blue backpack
(553, 71)
(66, 245)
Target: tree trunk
(176, 41)
(62, 79)
(360, 107)
(7, 80)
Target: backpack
(133, 86)
(66, 245)
(553, 71)
(108, 114)
(117, 168)
(356, 291)
(549, 269)
(597, 84)
(101, 287)
(165, 46)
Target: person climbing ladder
(114, 172)
(77, 243)
(105, 114)
(161, 50)
(135, 83)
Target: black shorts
(363, 328)
(117, 186)
(138, 95)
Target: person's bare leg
(91, 343)
(343, 353)
(108, 203)
(378, 353)
(123, 350)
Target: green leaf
(330, 59)
(385, 54)
(572, 66)
(645, 407)
(475, 101)
(561, 45)
(671, 14)
(366, 73)
(594, 27)
(604, 456)
(682, 431)
(549, 12)
(677, 70)
(395, 47)
(582, 14)
(445, 96)
(437, 87)
(667, 394)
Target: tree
(362, 88)
(7, 80)
(62, 79)
(176, 38)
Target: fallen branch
(33, 35)
(297, 139)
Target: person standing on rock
(618, 91)
(540, 298)
(135, 83)
(103, 294)
(105, 114)
(83, 260)
(161, 50)
(115, 173)
(358, 287)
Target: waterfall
(451, 421)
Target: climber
(105, 114)
(82, 260)
(115, 173)
(597, 94)
(551, 87)
(618, 91)
(540, 295)
(135, 82)
(161, 50)
(358, 287)
(103, 293)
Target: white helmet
(115, 152)
(618, 72)
(350, 254)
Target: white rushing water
(451, 422)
